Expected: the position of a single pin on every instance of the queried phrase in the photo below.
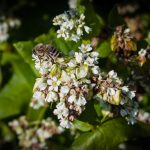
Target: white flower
(82, 17)
(3, 32)
(78, 57)
(65, 77)
(111, 91)
(79, 31)
(82, 71)
(127, 30)
(72, 98)
(89, 61)
(16, 126)
(125, 89)
(51, 97)
(87, 29)
(81, 101)
(142, 52)
(112, 74)
(58, 20)
(72, 63)
(39, 95)
(95, 70)
(64, 90)
(131, 94)
(65, 123)
(94, 55)
(61, 111)
(38, 100)
(69, 24)
(75, 38)
(40, 84)
(54, 84)
(85, 48)
(43, 134)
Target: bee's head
(39, 50)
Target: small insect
(52, 52)
(45, 52)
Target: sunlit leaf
(16, 94)
(104, 49)
(110, 134)
(83, 126)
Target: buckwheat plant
(70, 82)
(72, 25)
(123, 42)
(143, 55)
(65, 81)
(110, 88)
(34, 135)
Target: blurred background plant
(121, 36)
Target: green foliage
(83, 126)
(92, 19)
(25, 51)
(104, 49)
(110, 134)
(35, 114)
(51, 38)
(17, 92)
(1, 76)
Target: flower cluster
(44, 57)
(143, 55)
(123, 42)
(5, 25)
(65, 81)
(34, 135)
(124, 46)
(71, 81)
(110, 88)
(71, 25)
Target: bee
(52, 52)
(45, 52)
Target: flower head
(71, 25)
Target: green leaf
(8, 58)
(83, 126)
(35, 114)
(92, 19)
(0, 76)
(98, 109)
(89, 114)
(25, 50)
(114, 19)
(4, 46)
(148, 40)
(5, 132)
(63, 46)
(104, 49)
(16, 94)
(110, 134)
